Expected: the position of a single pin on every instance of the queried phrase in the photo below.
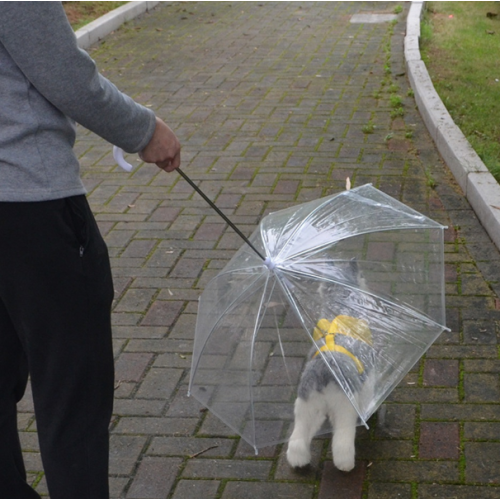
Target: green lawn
(82, 13)
(460, 45)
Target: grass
(460, 45)
(368, 128)
(81, 13)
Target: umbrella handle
(118, 156)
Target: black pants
(55, 300)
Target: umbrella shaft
(211, 203)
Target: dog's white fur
(331, 403)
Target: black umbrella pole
(211, 203)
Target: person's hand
(164, 148)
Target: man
(55, 279)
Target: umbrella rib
(302, 223)
(252, 349)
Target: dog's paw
(343, 452)
(298, 454)
(344, 462)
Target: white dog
(347, 346)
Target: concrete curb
(478, 184)
(104, 25)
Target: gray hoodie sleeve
(39, 38)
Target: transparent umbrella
(358, 263)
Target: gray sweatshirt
(46, 84)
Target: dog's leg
(309, 416)
(343, 418)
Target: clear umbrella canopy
(359, 263)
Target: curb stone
(478, 184)
(104, 25)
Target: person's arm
(40, 40)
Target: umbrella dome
(359, 263)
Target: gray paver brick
(261, 489)
(196, 489)
(125, 451)
(131, 366)
(156, 426)
(227, 469)
(154, 478)
(160, 383)
(187, 446)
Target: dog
(347, 345)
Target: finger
(171, 164)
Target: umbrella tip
(269, 263)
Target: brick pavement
(275, 104)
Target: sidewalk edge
(104, 25)
(478, 184)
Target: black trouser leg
(13, 379)
(55, 282)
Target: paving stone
(439, 440)
(367, 449)
(187, 488)
(481, 431)
(245, 489)
(482, 464)
(157, 426)
(144, 407)
(135, 300)
(162, 313)
(227, 469)
(159, 383)
(441, 372)
(398, 422)
(188, 446)
(481, 387)
(338, 484)
(154, 478)
(414, 471)
(457, 491)
(124, 453)
(460, 412)
(390, 490)
(139, 248)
